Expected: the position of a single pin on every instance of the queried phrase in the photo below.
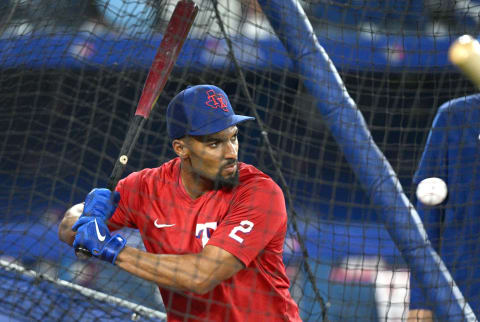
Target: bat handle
(131, 138)
(82, 253)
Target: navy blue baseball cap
(200, 110)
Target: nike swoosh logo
(162, 225)
(99, 236)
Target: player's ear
(180, 148)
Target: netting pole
(277, 166)
(372, 169)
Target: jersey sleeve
(129, 201)
(433, 163)
(257, 215)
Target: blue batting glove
(93, 234)
(100, 203)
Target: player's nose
(230, 151)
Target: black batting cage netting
(345, 94)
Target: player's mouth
(230, 169)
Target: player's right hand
(100, 203)
(94, 236)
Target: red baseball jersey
(249, 221)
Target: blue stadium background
(396, 85)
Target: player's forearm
(187, 272)
(420, 316)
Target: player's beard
(220, 182)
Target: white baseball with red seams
(432, 191)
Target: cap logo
(216, 100)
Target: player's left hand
(101, 203)
(93, 234)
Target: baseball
(432, 191)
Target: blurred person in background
(452, 153)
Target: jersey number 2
(244, 227)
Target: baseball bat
(465, 54)
(177, 30)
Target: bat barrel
(465, 54)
